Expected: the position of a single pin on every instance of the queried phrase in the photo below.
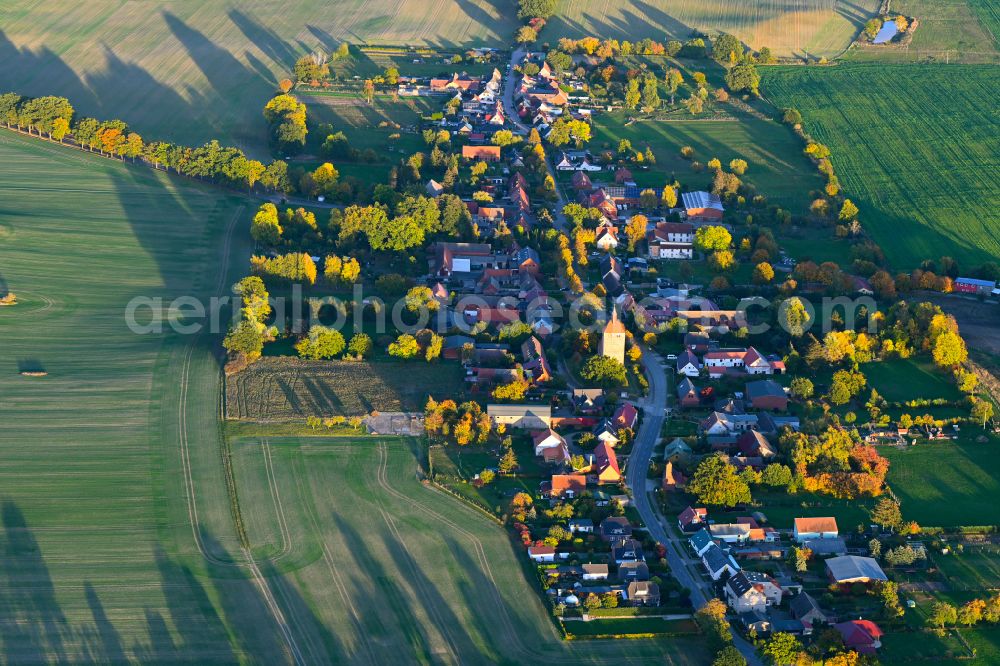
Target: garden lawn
(900, 380)
(947, 484)
(624, 626)
(916, 147)
(776, 165)
(975, 568)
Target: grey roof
(596, 569)
(739, 584)
(633, 570)
(700, 539)
(582, 522)
(802, 604)
(701, 199)
(716, 559)
(850, 567)
(826, 546)
(543, 411)
(764, 387)
(685, 387)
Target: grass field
(947, 484)
(102, 553)
(805, 27)
(908, 379)
(390, 570)
(917, 148)
(949, 31)
(275, 389)
(193, 71)
(777, 166)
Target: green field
(193, 71)
(777, 166)
(917, 148)
(899, 380)
(282, 388)
(947, 484)
(807, 27)
(103, 556)
(949, 31)
(975, 568)
(390, 570)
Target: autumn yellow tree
(635, 230)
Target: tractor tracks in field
(248, 563)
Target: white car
(671, 357)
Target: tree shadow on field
(389, 611)
(264, 38)
(33, 627)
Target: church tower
(613, 338)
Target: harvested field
(917, 148)
(283, 388)
(804, 27)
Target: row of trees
(52, 117)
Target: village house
(448, 259)
(826, 547)
(581, 182)
(691, 519)
(542, 553)
(687, 364)
(720, 424)
(671, 240)
(805, 609)
(526, 260)
(677, 450)
(627, 550)
(606, 237)
(582, 525)
(702, 205)
(729, 533)
(525, 417)
(687, 394)
(567, 485)
(753, 444)
(615, 528)
(588, 401)
(854, 569)
(863, 636)
(809, 529)
(700, 542)
(606, 464)
(631, 571)
(643, 593)
(548, 440)
(607, 433)
(456, 82)
(611, 274)
(534, 361)
(766, 394)
(625, 416)
(718, 562)
(750, 591)
(595, 571)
